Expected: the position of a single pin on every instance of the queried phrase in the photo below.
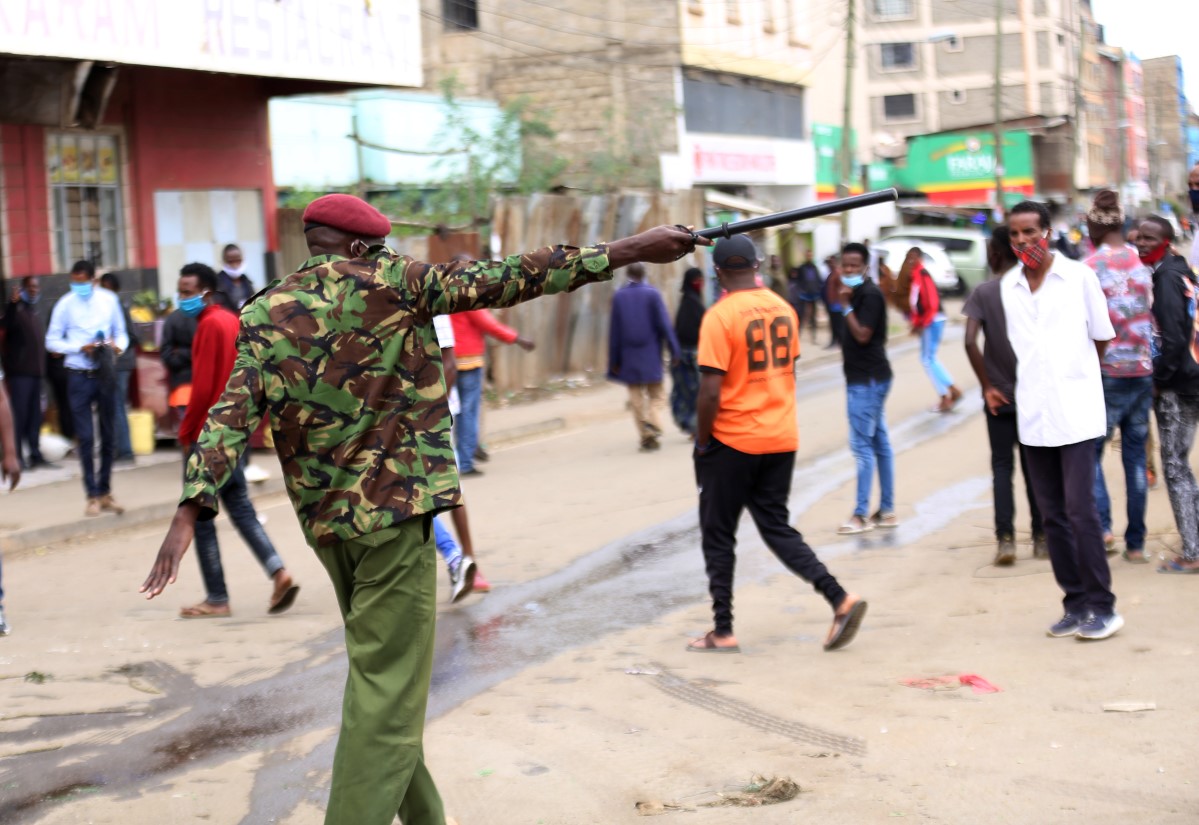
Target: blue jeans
(1128, 401)
(120, 415)
(466, 428)
(870, 443)
(446, 546)
(85, 391)
(241, 512)
(930, 342)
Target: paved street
(565, 696)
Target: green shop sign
(962, 166)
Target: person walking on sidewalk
(639, 329)
(868, 382)
(88, 329)
(928, 323)
(232, 278)
(175, 348)
(471, 329)
(684, 376)
(343, 355)
(1058, 325)
(126, 363)
(803, 291)
(213, 352)
(995, 367)
(465, 576)
(1127, 366)
(1175, 381)
(10, 471)
(25, 362)
(746, 442)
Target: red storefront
(134, 133)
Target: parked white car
(936, 261)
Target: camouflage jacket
(343, 357)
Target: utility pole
(847, 115)
(1078, 101)
(1123, 123)
(999, 203)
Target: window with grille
(899, 107)
(892, 8)
(898, 56)
(85, 199)
(460, 15)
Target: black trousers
(731, 481)
(25, 392)
(1001, 428)
(1063, 479)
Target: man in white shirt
(87, 326)
(1058, 325)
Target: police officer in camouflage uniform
(343, 357)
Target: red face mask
(1157, 254)
(1034, 255)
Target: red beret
(349, 214)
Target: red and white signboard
(348, 41)
(723, 159)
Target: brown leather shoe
(107, 502)
(93, 507)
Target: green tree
(515, 156)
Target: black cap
(737, 252)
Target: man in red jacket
(214, 350)
(470, 330)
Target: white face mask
(236, 273)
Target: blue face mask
(30, 299)
(82, 290)
(191, 306)
(853, 281)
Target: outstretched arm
(462, 286)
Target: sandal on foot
(707, 644)
(1176, 567)
(1139, 558)
(845, 626)
(204, 610)
(284, 600)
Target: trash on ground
(655, 808)
(978, 683)
(1128, 707)
(760, 791)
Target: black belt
(89, 373)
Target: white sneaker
(4, 628)
(462, 580)
(1100, 627)
(256, 475)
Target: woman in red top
(928, 321)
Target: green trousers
(386, 586)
